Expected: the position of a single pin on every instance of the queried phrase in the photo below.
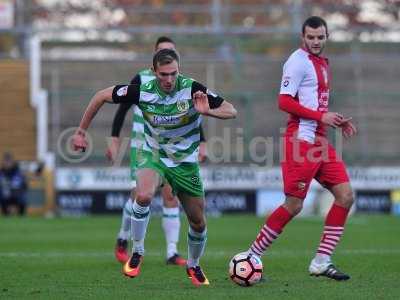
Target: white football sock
(196, 246)
(171, 224)
(140, 220)
(125, 230)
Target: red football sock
(271, 229)
(333, 230)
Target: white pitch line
(281, 253)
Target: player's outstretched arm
(79, 139)
(224, 111)
(95, 104)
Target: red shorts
(304, 161)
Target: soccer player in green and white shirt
(172, 106)
(170, 205)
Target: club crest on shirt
(122, 91)
(182, 105)
(301, 186)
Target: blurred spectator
(13, 185)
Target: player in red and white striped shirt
(304, 95)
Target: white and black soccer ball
(245, 269)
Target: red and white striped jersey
(306, 78)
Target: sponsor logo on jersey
(182, 105)
(211, 93)
(323, 99)
(158, 120)
(195, 180)
(147, 85)
(151, 108)
(285, 81)
(122, 91)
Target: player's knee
(346, 199)
(198, 225)
(296, 209)
(294, 205)
(144, 197)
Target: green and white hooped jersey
(137, 135)
(171, 124)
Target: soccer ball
(245, 269)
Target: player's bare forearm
(94, 105)
(202, 151)
(225, 111)
(113, 149)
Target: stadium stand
(17, 117)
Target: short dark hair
(163, 39)
(164, 57)
(314, 22)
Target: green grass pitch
(68, 258)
